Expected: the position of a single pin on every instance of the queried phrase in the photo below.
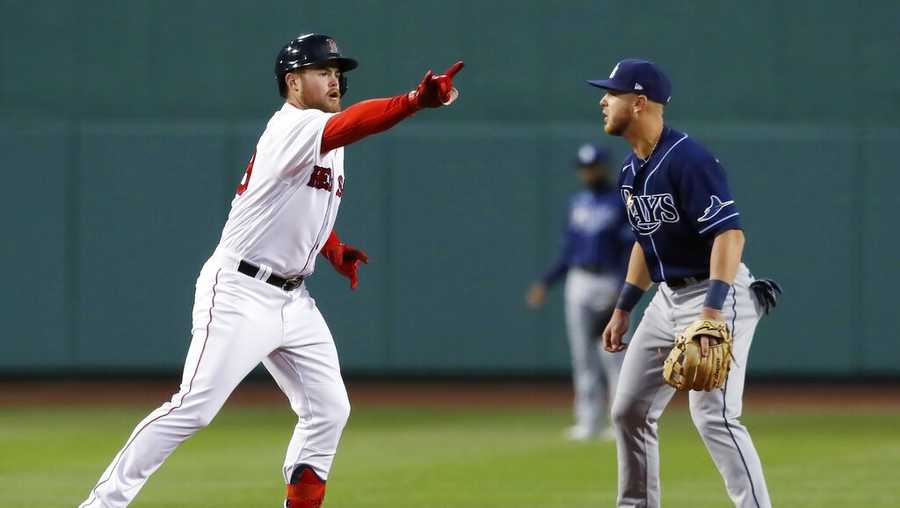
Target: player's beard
(600, 185)
(331, 105)
(324, 103)
(616, 126)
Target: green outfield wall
(125, 126)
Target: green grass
(404, 457)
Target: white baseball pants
(239, 321)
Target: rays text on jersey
(648, 212)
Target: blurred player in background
(597, 239)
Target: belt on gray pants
(682, 282)
(598, 270)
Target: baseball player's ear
(640, 103)
(292, 80)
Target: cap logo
(587, 154)
(614, 71)
(637, 86)
(332, 46)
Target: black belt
(250, 270)
(681, 282)
(592, 269)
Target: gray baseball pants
(594, 371)
(642, 396)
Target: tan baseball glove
(685, 369)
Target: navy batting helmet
(309, 50)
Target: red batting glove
(344, 258)
(436, 91)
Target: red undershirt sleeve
(364, 119)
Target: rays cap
(642, 77)
(590, 154)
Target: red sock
(306, 489)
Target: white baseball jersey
(283, 212)
(287, 202)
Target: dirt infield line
(419, 393)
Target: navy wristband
(715, 295)
(629, 297)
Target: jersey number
(246, 180)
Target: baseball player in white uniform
(251, 304)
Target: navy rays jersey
(677, 201)
(596, 236)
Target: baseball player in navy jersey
(251, 303)
(689, 242)
(597, 241)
